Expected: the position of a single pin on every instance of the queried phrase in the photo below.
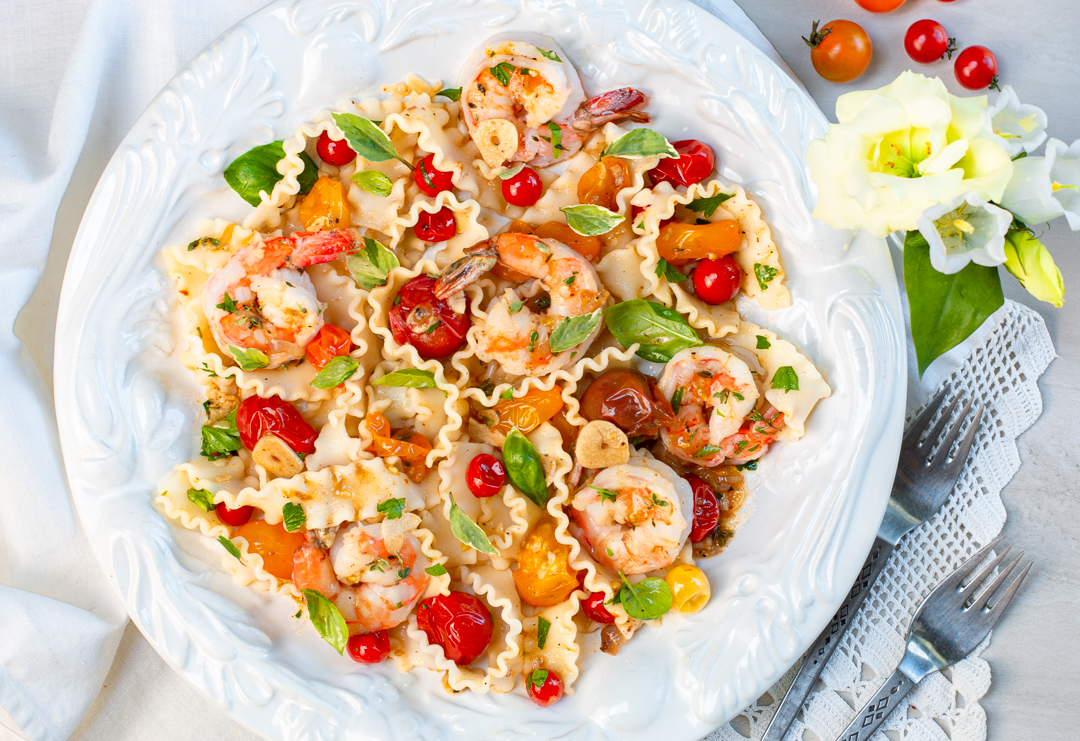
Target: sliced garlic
(601, 444)
(497, 140)
(274, 454)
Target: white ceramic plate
(128, 412)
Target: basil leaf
(707, 450)
(468, 532)
(249, 359)
(516, 307)
(373, 181)
(945, 309)
(436, 570)
(327, 619)
(371, 265)
(763, 342)
(512, 171)
(556, 138)
(220, 439)
(537, 678)
(339, 370)
(549, 54)
(230, 547)
(367, 139)
(590, 220)
(709, 205)
(293, 517)
(201, 498)
(256, 171)
(453, 93)
(412, 378)
(666, 270)
(543, 625)
(676, 400)
(502, 72)
(661, 331)
(640, 143)
(392, 508)
(764, 275)
(647, 600)
(572, 331)
(525, 468)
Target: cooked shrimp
(633, 516)
(712, 392)
(260, 300)
(373, 588)
(754, 436)
(514, 336)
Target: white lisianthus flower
(966, 229)
(1018, 127)
(900, 149)
(1065, 178)
(1030, 192)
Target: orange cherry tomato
(408, 445)
(274, 543)
(329, 343)
(587, 247)
(880, 6)
(602, 182)
(529, 411)
(544, 576)
(325, 206)
(681, 243)
(840, 50)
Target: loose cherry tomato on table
(544, 576)
(368, 648)
(840, 51)
(485, 475)
(927, 41)
(976, 68)
(331, 342)
(706, 509)
(695, 162)
(436, 227)
(425, 322)
(680, 243)
(629, 400)
(880, 6)
(459, 622)
(257, 416)
(593, 607)
(274, 543)
(717, 281)
(523, 189)
(233, 517)
(430, 180)
(336, 152)
(544, 687)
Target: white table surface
(1035, 654)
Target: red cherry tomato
(927, 41)
(329, 343)
(840, 51)
(717, 281)
(706, 509)
(976, 68)
(524, 189)
(880, 6)
(425, 322)
(368, 648)
(459, 622)
(593, 607)
(334, 152)
(695, 163)
(485, 475)
(436, 227)
(430, 180)
(547, 690)
(257, 416)
(233, 517)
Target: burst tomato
(329, 343)
(436, 227)
(425, 322)
(629, 400)
(257, 416)
(430, 180)
(233, 517)
(325, 206)
(695, 162)
(274, 543)
(717, 281)
(840, 51)
(459, 622)
(706, 509)
(336, 152)
(587, 247)
(369, 648)
(523, 189)
(529, 411)
(485, 475)
(544, 687)
(679, 243)
(544, 576)
(602, 182)
(593, 607)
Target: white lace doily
(1001, 367)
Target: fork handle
(874, 712)
(818, 655)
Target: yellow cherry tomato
(689, 588)
(544, 576)
(325, 206)
(679, 243)
(529, 411)
(601, 183)
(274, 543)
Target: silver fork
(923, 482)
(950, 623)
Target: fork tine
(932, 437)
(983, 599)
(973, 584)
(957, 577)
(1003, 601)
(969, 436)
(918, 427)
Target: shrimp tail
(616, 105)
(464, 272)
(321, 247)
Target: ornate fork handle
(818, 655)
(878, 708)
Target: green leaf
(785, 378)
(676, 400)
(436, 570)
(764, 275)
(249, 359)
(227, 304)
(373, 181)
(392, 508)
(468, 532)
(525, 468)
(412, 378)
(502, 72)
(339, 370)
(508, 394)
(709, 205)
(606, 495)
(453, 93)
(748, 466)
(572, 331)
(660, 331)
(371, 265)
(543, 625)
(220, 439)
(512, 171)
(537, 678)
(292, 515)
(549, 54)
(256, 170)
(590, 220)
(367, 139)
(327, 619)
(640, 143)
(763, 342)
(666, 270)
(707, 450)
(202, 498)
(230, 547)
(647, 600)
(556, 138)
(203, 242)
(945, 309)
(516, 307)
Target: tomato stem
(950, 49)
(994, 84)
(816, 37)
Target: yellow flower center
(963, 225)
(1059, 186)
